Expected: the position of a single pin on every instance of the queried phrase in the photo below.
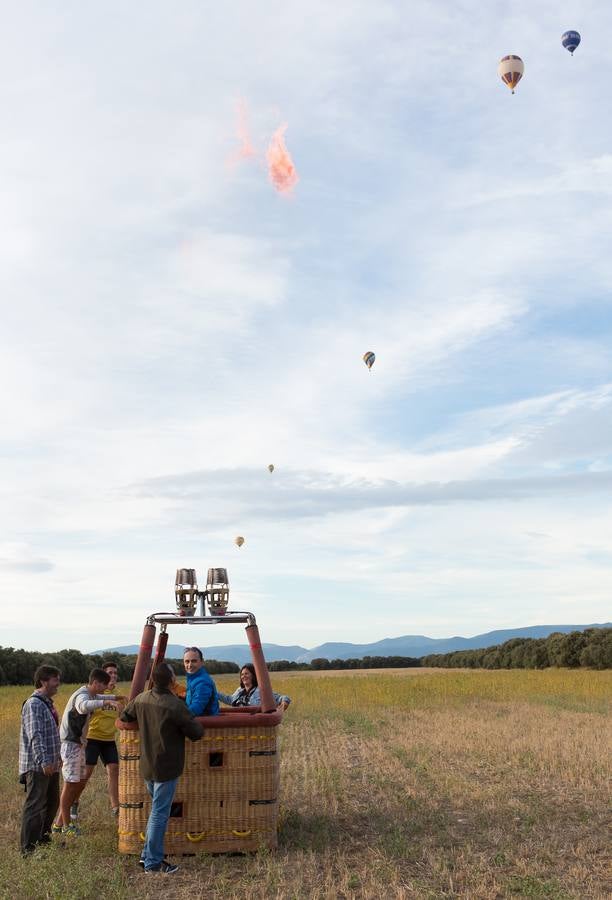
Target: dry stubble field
(407, 783)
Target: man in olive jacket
(164, 722)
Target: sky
(171, 323)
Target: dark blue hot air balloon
(570, 40)
(369, 358)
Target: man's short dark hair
(193, 650)
(163, 676)
(108, 663)
(44, 673)
(99, 675)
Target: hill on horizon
(415, 645)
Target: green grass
(394, 784)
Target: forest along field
(408, 783)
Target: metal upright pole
(142, 663)
(160, 653)
(261, 670)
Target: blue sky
(171, 324)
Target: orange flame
(246, 145)
(281, 170)
(246, 150)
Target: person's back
(164, 722)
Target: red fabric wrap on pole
(142, 663)
(162, 643)
(261, 670)
(160, 653)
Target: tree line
(18, 666)
(590, 649)
(367, 662)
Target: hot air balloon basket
(226, 799)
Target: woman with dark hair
(248, 692)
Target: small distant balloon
(239, 541)
(369, 359)
(510, 70)
(570, 40)
(270, 468)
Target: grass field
(407, 783)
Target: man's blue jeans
(162, 793)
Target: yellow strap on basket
(238, 737)
(195, 838)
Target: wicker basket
(227, 797)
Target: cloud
(219, 495)
(20, 558)
(551, 430)
(588, 176)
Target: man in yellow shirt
(101, 745)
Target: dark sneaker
(71, 831)
(165, 868)
(56, 829)
(141, 862)
(115, 811)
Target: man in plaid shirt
(39, 759)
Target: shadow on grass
(317, 832)
(310, 831)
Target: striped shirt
(39, 741)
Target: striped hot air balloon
(570, 40)
(369, 358)
(511, 70)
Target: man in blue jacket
(201, 696)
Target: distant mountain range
(415, 645)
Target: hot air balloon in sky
(570, 40)
(369, 358)
(271, 468)
(511, 70)
(239, 541)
